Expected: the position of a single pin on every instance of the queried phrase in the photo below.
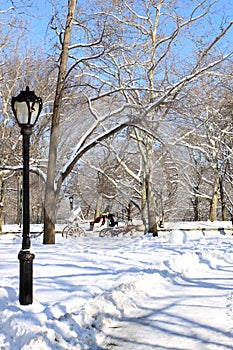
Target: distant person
(104, 216)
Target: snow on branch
(90, 44)
(115, 184)
(7, 10)
(176, 88)
(83, 148)
(6, 170)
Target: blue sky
(41, 14)
(38, 17)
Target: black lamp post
(71, 199)
(26, 108)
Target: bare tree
(123, 54)
(209, 142)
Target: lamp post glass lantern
(71, 199)
(26, 108)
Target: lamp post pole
(26, 108)
(24, 256)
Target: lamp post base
(25, 277)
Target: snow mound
(178, 237)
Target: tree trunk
(98, 205)
(2, 193)
(214, 201)
(87, 211)
(144, 206)
(130, 213)
(49, 217)
(1, 212)
(162, 221)
(222, 196)
(195, 203)
(195, 208)
(152, 224)
(50, 191)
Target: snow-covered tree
(141, 57)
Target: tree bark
(152, 224)
(144, 206)
(130, 213)
(50, 190)
(195, 204)
(98, 205)
(222, 196)
(2, 192)
(214, 200)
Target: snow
(132, 292)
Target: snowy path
(192, 311)
(179, 318)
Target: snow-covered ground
(132, 292)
